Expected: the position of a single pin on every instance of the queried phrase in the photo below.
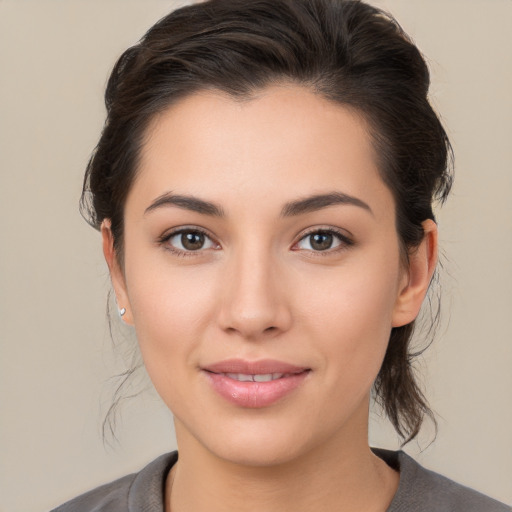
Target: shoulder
(127, 494)
(111, 497)
(422, 490)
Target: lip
(254, 394)
(253, 367)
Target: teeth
(264, 377)
(267, 377)
(240, 377)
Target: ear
(116, 272)
(422, 263)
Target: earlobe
(116, 273)
(422, 263)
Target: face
(262, 272)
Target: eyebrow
(191, 203)
(320, 201)
(299, 207)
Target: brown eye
(192, 241)
(323, 240)
(189, 240)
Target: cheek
(350, 300)
(170, 310)
(349, 313)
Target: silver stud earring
(122, 311)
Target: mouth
(264, 367)
(255, 384)
(259, 377)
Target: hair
(346, 51)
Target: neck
(341, 475)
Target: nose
(254, 303)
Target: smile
(255, 384)
(261, 377)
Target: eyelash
(164, 240)
(345, 241)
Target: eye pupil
(192, 241)
(321, 241)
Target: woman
(264, 187)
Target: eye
(188, 240)
(323, 240)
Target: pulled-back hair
(345, 51)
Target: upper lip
(260, 367)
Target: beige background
(56, 355)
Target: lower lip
(255, 394)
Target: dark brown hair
(346, 51)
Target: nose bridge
(254, 303)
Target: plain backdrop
(56, 354)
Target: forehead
(285, 140)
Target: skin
(258, 289)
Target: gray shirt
(419, 490)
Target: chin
(258, 454)
(256, 443)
